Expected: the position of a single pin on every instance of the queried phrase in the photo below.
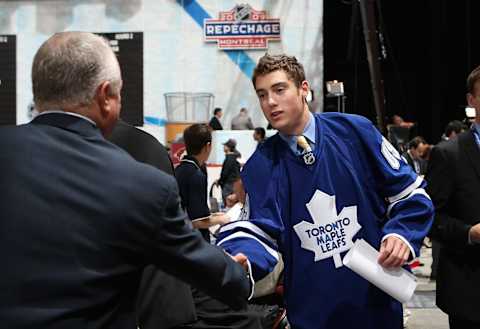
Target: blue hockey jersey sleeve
(247, 237)
(257, 235)
(409, 208)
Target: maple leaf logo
(330, 233)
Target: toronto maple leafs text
(330, 236)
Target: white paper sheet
(362, 258)
(233, 213)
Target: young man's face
(283, 103)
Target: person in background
(418, 149)
(453, 184)
(230, 169)
(259, 135)
(215, 120)
(163, 301)
(192, 180)
(321, 171)
(192, 183)
(141, 146)
(398, 121)
(452, 129)
(242, 120)
(80, 217)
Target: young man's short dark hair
(217, 109)
(196, 137)
(260, 131)
(270, 63)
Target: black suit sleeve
(440, 177)
(182, 252)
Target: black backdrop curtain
(429, 48)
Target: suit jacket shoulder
(141, 146)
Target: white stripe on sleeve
(235, 235)
(407, 190)
(414, 192)
(249, 226)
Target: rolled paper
(362, 258)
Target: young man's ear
(207, 147)
(305, 88)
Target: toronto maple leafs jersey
(358, 187)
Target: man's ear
(305, 87)
(207, 148)
(102, 97)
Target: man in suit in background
(163, 301)
(80, 217)
(454, 183)
(242, 120)
(414, 155)
(215, 121)
(141, 146)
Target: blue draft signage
(242, 28)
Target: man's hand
(475, 233)
(393, 252)
(241, 259)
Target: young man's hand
(393, 252)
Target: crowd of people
(100, 231)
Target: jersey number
(391, 154)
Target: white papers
(235, 211)
(362, 259)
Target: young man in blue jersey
(315, 187)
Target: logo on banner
(242, 28)
(330, 233)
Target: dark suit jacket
(141, 146)
(454, 185)
(215, 124)
(163, 301)
(80, 219)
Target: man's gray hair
(69, 67)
